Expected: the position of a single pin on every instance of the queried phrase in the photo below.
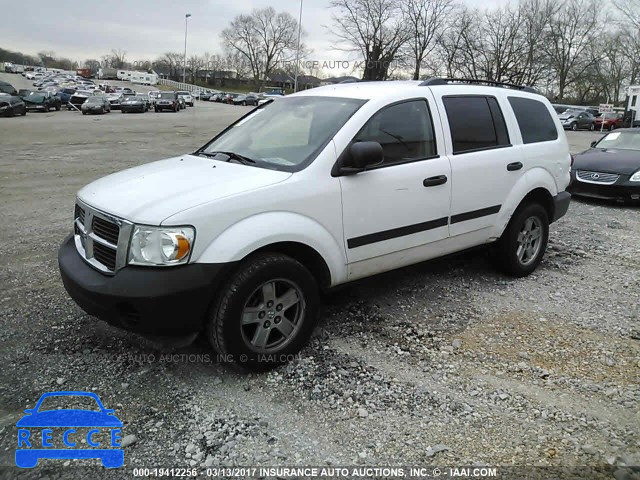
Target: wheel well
(307, 256)
(542, 197)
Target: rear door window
(534, 120)
(476, 123)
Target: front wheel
(612, 127)
(265, 313)
(592, 127)
(523, 243)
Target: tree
(630, 9)
(115, 59)
(92, 64)
(171, 63)
(262, 38)
(425, 19)
(570, 33)
(375, 29)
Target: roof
(387, 89)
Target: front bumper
(622, 190)
(166, 301)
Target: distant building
(632, 107)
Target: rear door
(484, 165)
(404, 202)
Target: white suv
(320, 188)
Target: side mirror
(593, 144)
(359, 156)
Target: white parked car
(317, 189)
(188, 98)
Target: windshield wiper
(231, 156)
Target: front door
(404, 202)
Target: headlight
(635, 177)
(161, 246)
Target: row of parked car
(587, 118)
(238, 98)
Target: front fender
(261, 230)
(534, 178)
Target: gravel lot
(444, 363)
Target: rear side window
(404, 130)
(536, 125)
(476, 123)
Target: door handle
(433, 181)
(512, 167)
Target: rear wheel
(592, 127)
(574, 126)
(612, 127)
(265, 313)
(523, 243)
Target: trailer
(143, 78)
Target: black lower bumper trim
(560, 205)
(148, 300)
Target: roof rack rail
(473, 81)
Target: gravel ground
(444, 363)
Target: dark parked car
(246, 100)
(96, 104)
(7, 88)
(11, 105)
(610, 169)
(611, 121)
(577, 119)
(134, 104)
(167, 101)
(42, 101)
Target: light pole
(295, 87)
(184, 68)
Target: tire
(507, 252)
(254, 279)
(612, 127)
(122, 111)
(156, 110)
(57, 108)
(592, 127)
(244, 104)
(574, 126)
(24, 112)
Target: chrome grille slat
(101, 239)
(600, 178)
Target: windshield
(133, 99)
(168, 96)
(572, 112)
(622, 140)
(286, 135)
(610, 115)
(95, 100)
(184, 93)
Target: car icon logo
(37, 438)
(595, 176)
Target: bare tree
(425, 20)
(630, 9)
(375, 29)
(571, 30)
(116, 59)
(262, 38)
(171, 62)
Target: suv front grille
(107, 230)
(597, 177)
(101, 239)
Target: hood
(610, 160)
(34, 98)
(567, 116)
(153, 192)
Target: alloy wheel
(529, 240)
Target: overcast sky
(145, 29)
